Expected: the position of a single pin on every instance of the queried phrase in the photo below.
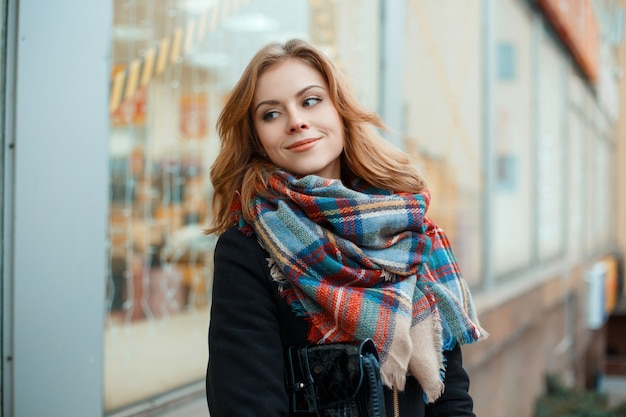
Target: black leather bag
(335, 379)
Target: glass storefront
(173, 64)
(576, 171)
(551, 106)
(548, 140)
(513, 126)
(443, 120)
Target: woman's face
(296, 121)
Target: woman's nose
(297, 122)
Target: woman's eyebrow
(271, 102)
(307, 88)
(298, 94)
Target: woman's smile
(303, 145)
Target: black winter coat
(251, 327)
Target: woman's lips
(303, 145)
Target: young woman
(324, 238)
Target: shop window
(599, 181)
(173, 64)
(602, 193)
(442, 131)
(551, 106)
(576, 167)
(512, 137)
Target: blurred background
(513, 109)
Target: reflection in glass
(512, 201)
(174, 62)
(443, 122)
(550, 162)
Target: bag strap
(373, 383)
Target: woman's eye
(311, 101)
(270, 115)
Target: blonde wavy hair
(241, 166)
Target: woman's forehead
(288, 76)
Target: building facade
(509, 107)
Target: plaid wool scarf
(367, 263)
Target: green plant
(561, 401)
(620, 410)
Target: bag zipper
(396, 407)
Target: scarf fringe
(427, 360)
(424, 348)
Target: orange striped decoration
(167, 51)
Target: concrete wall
(542, 329)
